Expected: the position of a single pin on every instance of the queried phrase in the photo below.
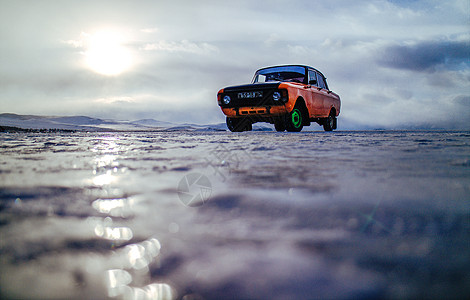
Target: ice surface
(343, 215)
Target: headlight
(227, 99)
(276, 96)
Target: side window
(326, 84)
(321, 83)
(312, 75)
(260, 78)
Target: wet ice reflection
(113, 233)
(117, 281)
(105, 164)
(129, 279)
(106, 161)
(104, 179)
(155, 291)
(139, 256)
(120, 207)
(106, 144)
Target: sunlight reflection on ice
(114, 233)
(104, 179)
(117, 281)
(106, 160)
(141, 255)
(120, 207)
(106, 205)
(134, 258)
(155, 291)
(137, 257)
(107, 145)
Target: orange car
(289, 97)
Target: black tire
(280, 125)
(330, 122)
(295, 120)
(248, 125)
(239, 124)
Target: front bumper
(255, 111)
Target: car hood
(252, 86)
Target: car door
(313, 98)
(324, 94)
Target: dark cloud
(427, 56)
(463, 100)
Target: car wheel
(279, 125)
(330, 122)
(248, 125)
(294, 120)
(238, 124)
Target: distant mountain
(84, 123)
(78, 120)
(153, 123)
(39, 122)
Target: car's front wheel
(280, 125)
(239, 124)
(294, 120)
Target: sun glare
(107, 54)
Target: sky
(394, 63)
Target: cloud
(427, 56)
(74, 43)
(114, 100)
(182, 46)
(463, 100)
(150, 30)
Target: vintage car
(290, 97)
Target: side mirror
(313, 82)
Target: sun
(107, 53)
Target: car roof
(304, 66)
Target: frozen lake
(218, 215)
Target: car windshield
(284, 73)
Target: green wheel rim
(296, 118)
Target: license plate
(249, 95)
